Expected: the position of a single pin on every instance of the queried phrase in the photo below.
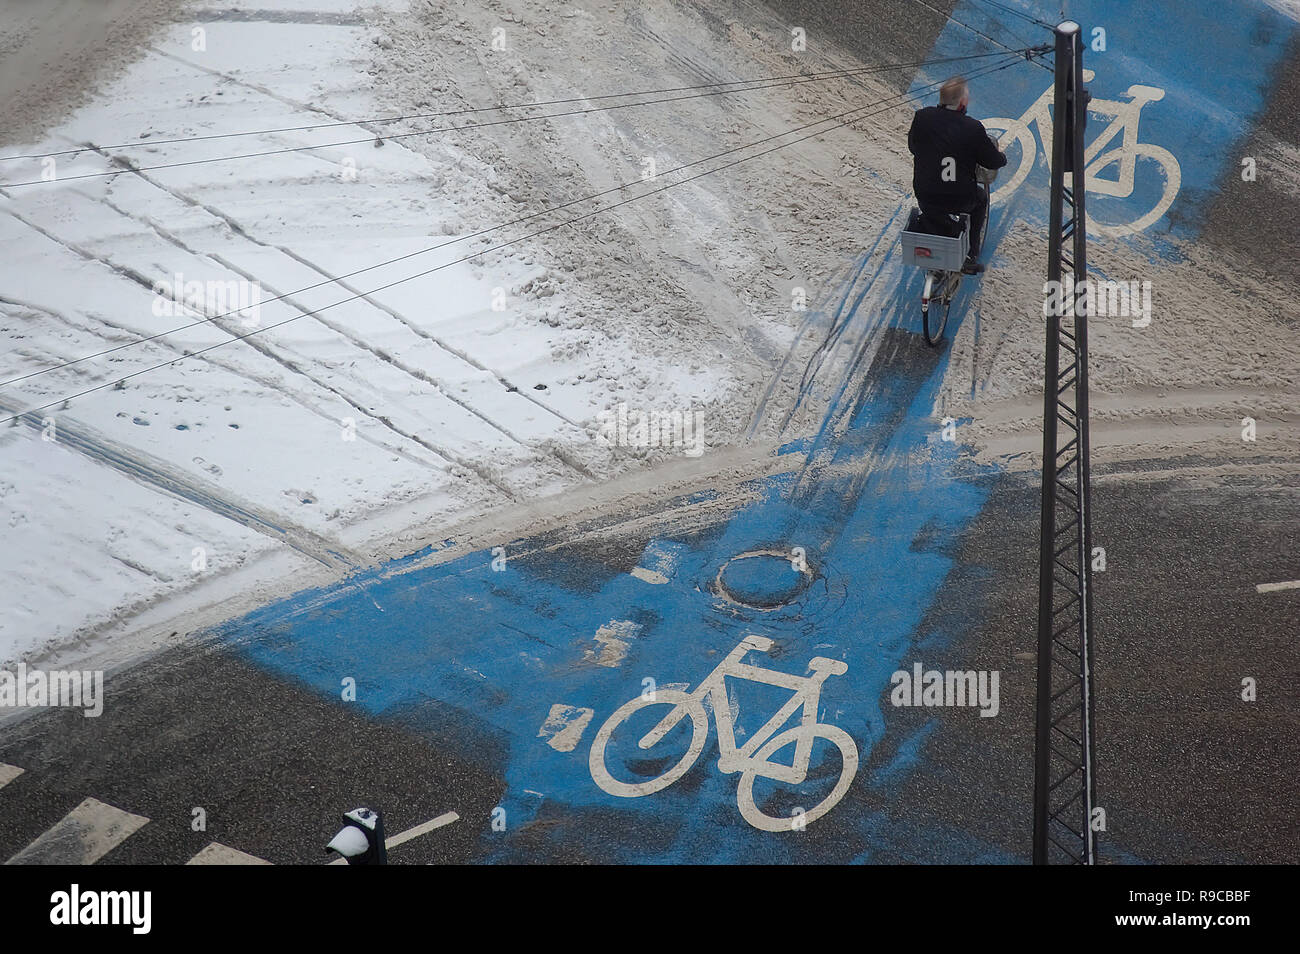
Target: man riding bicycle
(947, 145)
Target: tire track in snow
(340, 329)
(247, 374)
(509, 386)
(160, 475)
(266, 91)
(262, 346)
(288, 364)
(830, 345)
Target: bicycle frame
(939, 285)
(1125, 119)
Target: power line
(464, 238)
(1007, 30)
(1020, 13)
(828, 74)
(520, 238)
(130, 167)
(995, 42)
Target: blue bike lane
(1210, 65)
(518, 667)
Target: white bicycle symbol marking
(1125, 120)
(752, 759)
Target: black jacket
(938, 133)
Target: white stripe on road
(86, 834)
(410, 833)
(653, 577)
(424, 829)
(1273, 587)
(8, 773)
(219, 854)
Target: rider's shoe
(971, 267)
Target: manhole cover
(763, 579)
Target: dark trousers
(975, 204)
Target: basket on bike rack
(924, 249)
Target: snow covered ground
(373, 409)
(369, 406)
(354, 408)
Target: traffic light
(361, 839)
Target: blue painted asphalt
(1216, 61)
(487, 654)
(481, 657)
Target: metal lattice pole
(1064, 789)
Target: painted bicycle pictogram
(753, 759)
(1125, 117)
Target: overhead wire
(1020, 13)
(132, 167)
(463, 238)
(839, 120)
(967, 26)
(374, 121)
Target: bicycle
(942, 256)
(753, 759)
(1125, 119)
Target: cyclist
(947, 145)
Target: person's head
(954, 93)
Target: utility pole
(1064, 785)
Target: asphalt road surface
(480, 694)
(1187, 771)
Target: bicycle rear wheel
(674, 699)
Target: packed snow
(360, 362)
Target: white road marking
(767, 742)
(416, 832)
(564, 726)
(649, 576)
(8, 773)
(424, 829)
(219, 854)
(82, 837)
(1274, 587)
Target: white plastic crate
(935, 251)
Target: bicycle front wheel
(1168, 173)
(848, 769)
(1017, 141)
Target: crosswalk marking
(416, 832)
(219, 854)
(8, 773)
(82, 837)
